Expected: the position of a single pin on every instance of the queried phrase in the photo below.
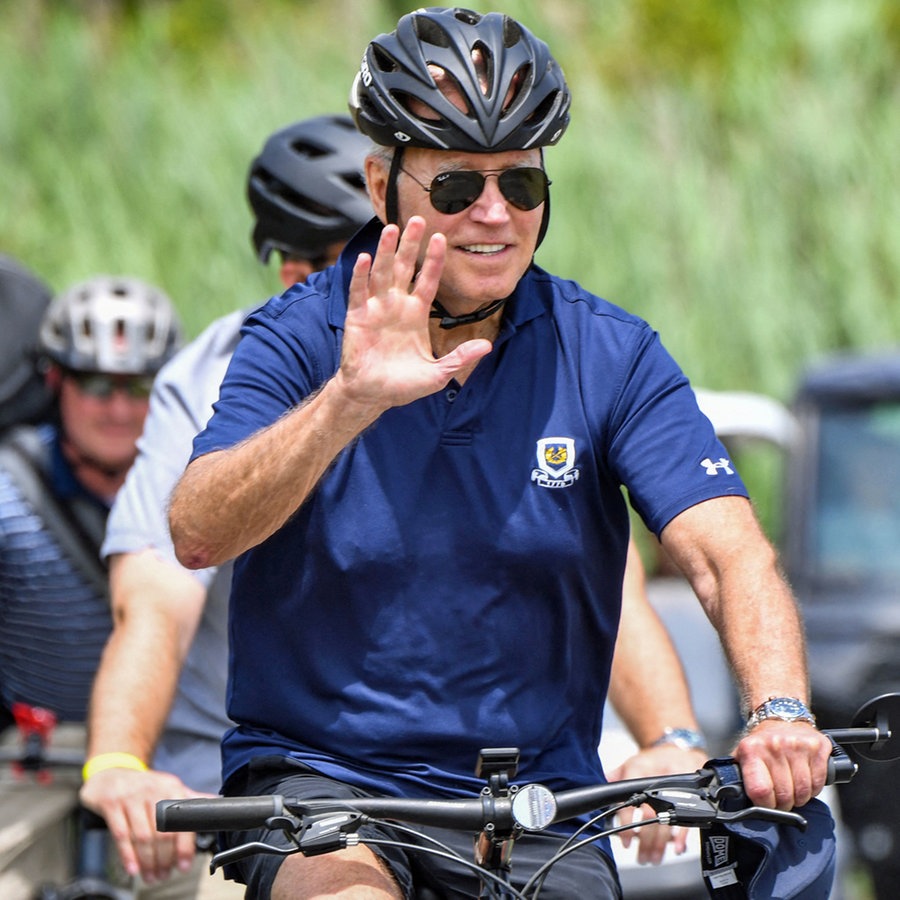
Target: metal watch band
(683, 738)
(788, 709)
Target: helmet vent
(512, 32)
(430, 32)
(384, 61)
(467, 16)
(483, 61)
(274, 187)
(354, 180)
(308, 150)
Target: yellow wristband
(104, 761)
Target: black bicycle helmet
(307, 188)
(514, 91)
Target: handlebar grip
(841, 768)
(217, 813)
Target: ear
(376, 181)
(53, 377)
(293, 271)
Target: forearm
(648, 688)
(768, 659)
(231, 500)
(154, 623)
(128, 709)
(734, 571)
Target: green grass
(730, 172)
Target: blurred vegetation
(730, 172)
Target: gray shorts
(588, 872)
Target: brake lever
(224, 857)
(782, 817)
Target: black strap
(448, 321)
(77, 524)
(719, 847)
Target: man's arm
(231, 500)
(647, 687)
(156, 609)
(650, 694)
(734, 570)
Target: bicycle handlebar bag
(759, 860)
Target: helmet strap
(447, 321)
(391, 204)
(545, 221)
(102, 479)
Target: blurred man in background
(308, 197)
(101, 343)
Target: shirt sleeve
(664, 449)
(287, 351)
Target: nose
(491, 204)
(120, 404)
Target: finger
(359, 280)
(154, 850)
(406, 260)
(185, 850)
(759, 784)
(429, 275)
(652, 840)
(117, 825)
(626, 817)
(382, 277)
(464, 355)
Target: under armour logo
(713, 468)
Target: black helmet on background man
(513, 91)
(307, 188)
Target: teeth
(484, 248)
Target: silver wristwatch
(683, 738)
(788, 709)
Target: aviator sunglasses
(525, 187)
(101, 386)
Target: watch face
(786, 708)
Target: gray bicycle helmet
(111, 324)
(514, 91)
(307, 188)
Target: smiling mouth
(483, 249)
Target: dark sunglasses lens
(102, 386)
(139, 387)
(452, 192)
(524, 187)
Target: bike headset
(307, 189)
(110, 324)
(514, 94)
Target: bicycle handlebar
(531, 806)
(504, 811)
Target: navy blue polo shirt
(454, 581)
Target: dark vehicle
(842, 553)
